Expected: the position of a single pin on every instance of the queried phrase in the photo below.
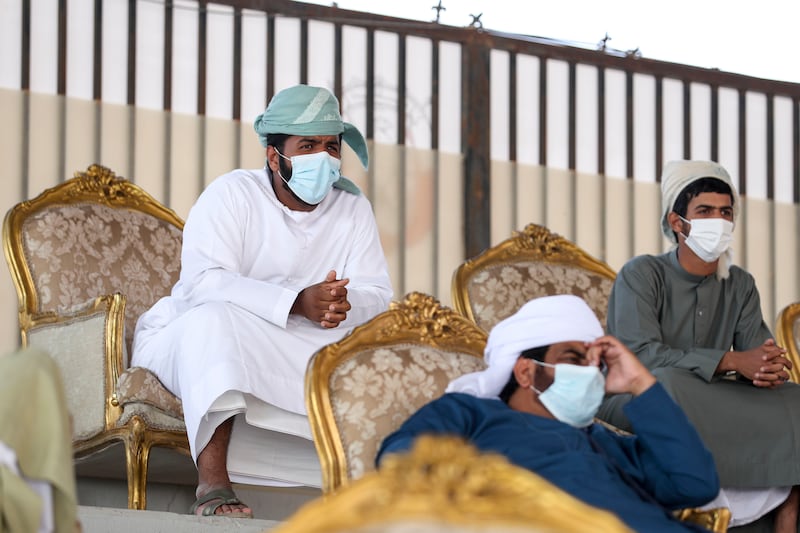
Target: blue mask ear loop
(279, 167)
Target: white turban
(540, 322)
(676, 176)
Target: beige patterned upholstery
(787, 334)
(87, 258)
(532, 263)
(362, 388)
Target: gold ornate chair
(87, 257)
(363, 387)
(531, 263)
(445, 485)
(787, 334)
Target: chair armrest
(140, 385)
(87, 344)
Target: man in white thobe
(276, 263)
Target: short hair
(537, 354)
(696, 188)
(277, 140)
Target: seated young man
(535, 404)
(693, 318)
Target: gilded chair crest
(531, 263)
(787, 334)
(363, 387)
(445, 485)
(87, 257)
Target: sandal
(223, 496)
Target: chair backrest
(531, 263)
(363, 387)
(95, 234)
(444, 485)
(787, 334)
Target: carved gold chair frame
(97, 185)
(534, 244)
(446, 485)
(787, 334)
(418, 320)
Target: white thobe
(246, 256)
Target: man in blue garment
(535, 404)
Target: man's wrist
(642, 383)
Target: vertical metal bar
(601, 121)
(236, 112)
(131, 96)
(25, 70)
(743, 168)
(131, 89)
(435, 149)
(475, 135)
(237, 64)
(512, 136)
(97, 79)
(169, 24)
(62, 47)
(97, 59)
(401, 142)
(687, 120)
(543, 112)
(714, 123)
(304, 51)
(62, 88)
(202, 50)
(796, 152)
(168, 29)
(270, 66)
(659, 125)
(337, 61)
(629, 146)
(370, 84)
(25, 86)
(401, 89)
(770, 147)
(572, 117)
(370, 103)
(742, 142)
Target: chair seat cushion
(139, 388)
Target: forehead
(560, 349)
(713, 199)
(321, 139)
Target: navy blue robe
(665, 459)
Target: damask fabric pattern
(80, 251)
(400, 380)
(499, 291)
(140, 385)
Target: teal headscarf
(307, 110)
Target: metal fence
(473, 132)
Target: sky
(753, 38)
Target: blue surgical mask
(313, 175)
(575, 395)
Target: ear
(525, 372)
(272, 158)
(675, 222)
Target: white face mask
(709, 238)
(575, 395)
(313, 175)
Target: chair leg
(137, 452)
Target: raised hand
(324, 302)
(625, 372)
